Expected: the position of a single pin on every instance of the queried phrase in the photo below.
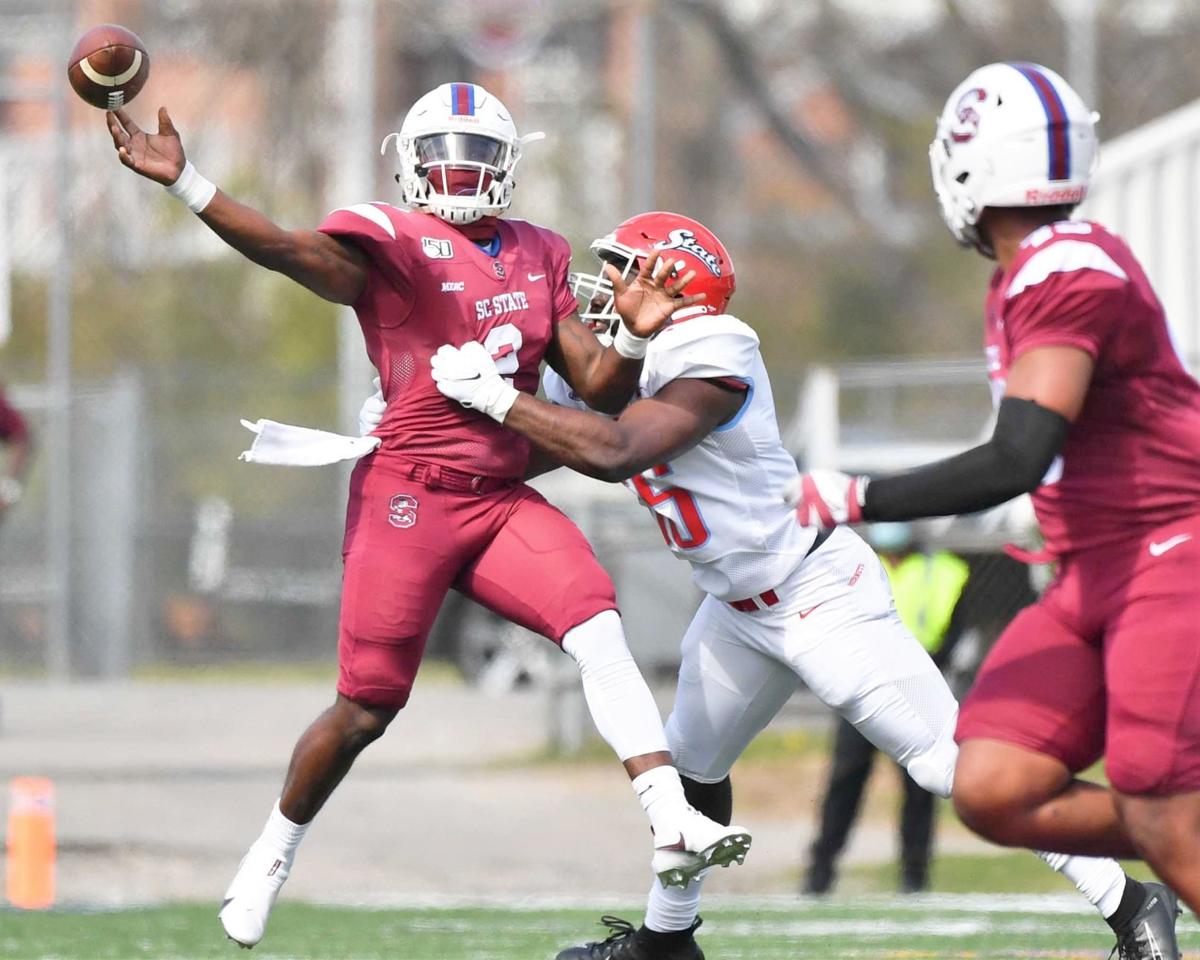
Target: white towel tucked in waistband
(289, 446)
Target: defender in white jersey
(715, 503)
(700, 446)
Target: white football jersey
(719, 505)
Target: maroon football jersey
(1131, 461)
(428, 285)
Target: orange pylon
(31, 844)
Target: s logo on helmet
(403, 511)
(967, 119)
(686, 240)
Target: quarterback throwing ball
(440, 503)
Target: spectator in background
(927, 587)
(14, 434)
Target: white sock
(1099, 879)
(618, 699)
(661, 794)
(281, 834)
(674, 908)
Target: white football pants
(836, 630)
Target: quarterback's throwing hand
(827, 498)
(468, 374)
(156, 156)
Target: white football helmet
(1011, 135)
(458, 149)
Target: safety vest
(927, 587)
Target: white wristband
(192, 188)
(629, 345)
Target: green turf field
(943, 926)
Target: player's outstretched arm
(649, 432)
(607, 378)
(328, 267)
(1045, 393)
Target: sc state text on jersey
(500, 304)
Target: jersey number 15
(695, 532)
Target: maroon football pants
(407, 543)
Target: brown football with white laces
(108, 66)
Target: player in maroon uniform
(1098, 419)
(440, 503)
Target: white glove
(469, 375)
(10, 491)
(370, 415)
(827, 498)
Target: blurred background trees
(796, 129)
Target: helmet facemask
(595, 291)
(458, 150)
(458, 177)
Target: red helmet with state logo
(677, 238)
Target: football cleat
(819, 879)
(624, 942)
(696, 844)
(1151, 933)
(251, 895)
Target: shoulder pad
(372, 220)
(1062, 254)
(701, 348)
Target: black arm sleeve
(1025, 442)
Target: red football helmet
(675, 236)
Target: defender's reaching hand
(156, 156)
(648, 301)
(827, 498)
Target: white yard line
(987, 903)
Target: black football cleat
(819, 879)
(625, 942)
(1151, 933)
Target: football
(108, 66)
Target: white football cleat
(252, 893)
(696, 843)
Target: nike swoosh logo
(534, 277)
(224, 903)
(677, 845)
(805, 613)
(1158, 549)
